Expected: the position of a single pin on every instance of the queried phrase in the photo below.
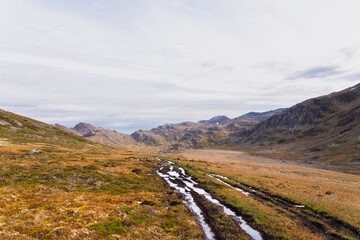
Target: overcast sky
(131, 64)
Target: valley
(215, 179)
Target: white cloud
(135, 64)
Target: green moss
(168, 224)
(126, 209)
(85, 178)
(110, 228)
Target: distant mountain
(217, 120)
(100, 135)
(259, 116)
(67, 129)
(249, 117)
(203, 134)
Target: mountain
(324, 130)
(203, 134)
(258, 116)
(249, 117)
(217, 120)
(67, 129)
(100, 135)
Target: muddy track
(224, 228)
(322, 223)
(216, 219)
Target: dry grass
(86, 193)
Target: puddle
(238, 189)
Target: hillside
(324, 130)
(22, 130)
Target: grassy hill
(22, 130)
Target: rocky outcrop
(148, 138)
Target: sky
(136, 64)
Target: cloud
(137, 64)
(317, 72)
(353, 77)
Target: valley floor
(95, 192)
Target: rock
(4, 123)
(137, 171)
(331, 193)
(17, 123)
(149, 203)
(34, 151)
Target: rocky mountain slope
(258, 116)
(323, 129)
(100, 135)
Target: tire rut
(220, 221)
(321, 223)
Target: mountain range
(172, 137)
(323, 131)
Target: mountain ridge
(323, 131)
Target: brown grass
(292, 181)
